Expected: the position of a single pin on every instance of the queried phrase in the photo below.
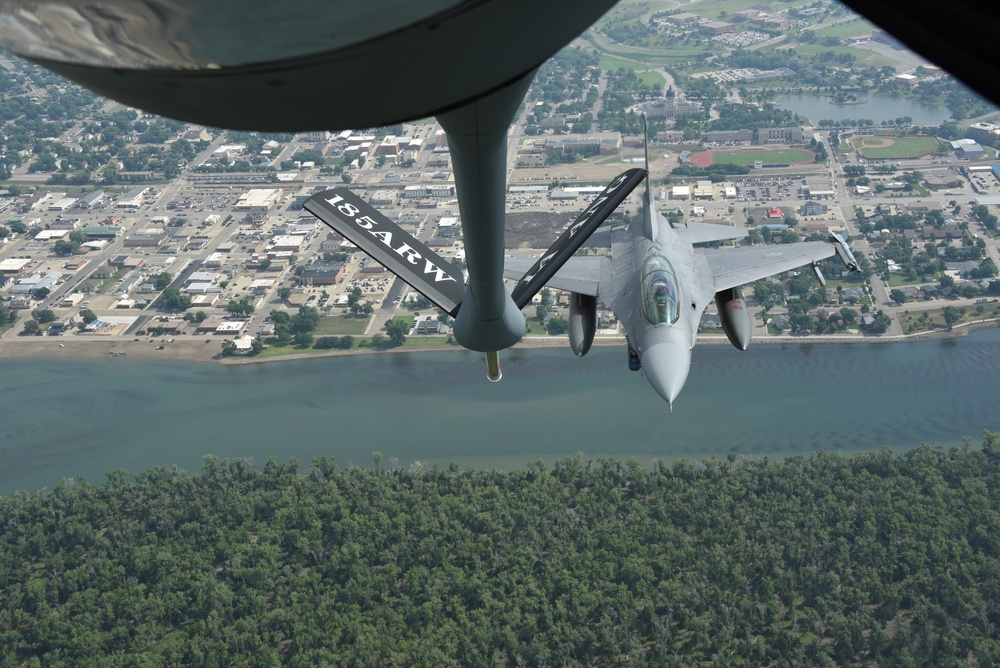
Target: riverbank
(208, 350)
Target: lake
(82, 418)
(878, 108)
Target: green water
(70, 419)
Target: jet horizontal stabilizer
(575, 235)
(423, 269)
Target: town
(125, 233)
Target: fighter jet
(658, 284)
(655, 280)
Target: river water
(877, 108)
(63, 418)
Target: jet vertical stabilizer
(575, 235)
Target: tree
(162, 280)
(280, 317)
(40, 293)
(240, 308)
(557, 326)
(256, 346)
(951, 315)
(43, 316)
(306, 320)
(284, 293)
(897, 296)
(228, 348)
(173, 300)
(30, 328)
(87, 316)
(397, 330)
(64, 248)
(303, 339)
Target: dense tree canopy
(875, 559)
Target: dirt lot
(536, 229)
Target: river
(81, 418)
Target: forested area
(875, 559)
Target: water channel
(62, 418)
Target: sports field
(891, 148)
(768, 157)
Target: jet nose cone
(666, 366)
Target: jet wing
(733, 267)
(700, 233)
(581, 273)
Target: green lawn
(846, 29)
(861, 56)
(769, 157)
(903, 147)
(921, 321)
(340, 325)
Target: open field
(339, 325)
(921, 321)
(642, 57)
(862, 56)
(882, 147)
(847, 29)
(792, 155)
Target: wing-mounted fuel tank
(582, 322)
(734, 316)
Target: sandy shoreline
(202, 350)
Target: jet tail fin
(575, 235)
(648, 229)
(423, 269)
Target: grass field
(862, 56)
(340, 325)
(769, 157)
(847, 29)
(901, 147)
(922, 321)
(634, 57)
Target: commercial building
(257, 199)
(322, 273)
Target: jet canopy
(660, 297)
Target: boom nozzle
(493, 366)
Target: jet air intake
(734, 316)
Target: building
(257, 199)
(61, 223)
(103, 231)
(812, 208)
(126, 262)
(63, 204)
(671, 106)
(792, 135)
(727, 136)
(428, 326)
(131, 200)
(716, 27)
(322, 273)
(682, 19)
(152, 237)
(968, 149)
(36, 281)
(286, 243)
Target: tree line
(874, 559)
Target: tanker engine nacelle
(582, 322)
(734, 316)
